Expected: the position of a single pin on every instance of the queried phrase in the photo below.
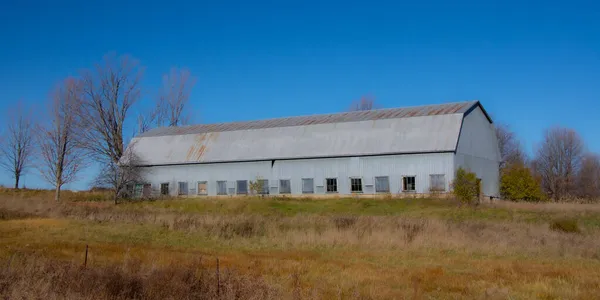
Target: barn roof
(419, 129)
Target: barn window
(242, 187)
(437, 182)
(308, 186)
(408, 183)
(356, 185)
(331, 185)
(147, 192)
(137, 192)
(382, 184)
(183, 188)
(263, 185)
(221, 187)
(202, 188)
(285, 186)
(164, 189)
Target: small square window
(242, 187)
(331, 185)
(356, 185)
(308, 186)
(437, 182)
(137, 192)
(202, 188)
(221, 187)
(183, 188)
(382, 184)
(408, 183)
(147, 190)
(164, 189)
(284, 186)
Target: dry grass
(427, 249)
(30, 277)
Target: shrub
(466, 187)
(517, 183)
(565, 225)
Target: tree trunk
(17, 176)
(57, 194)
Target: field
(282, 248)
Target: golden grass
(419, 251)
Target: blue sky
(532, 64)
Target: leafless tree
(558, 161)
(174, 96)
(365, 103)
(17, 144)
(108, 93)
(60, 152)
(510, 148)
(122, 174)
(588, 180)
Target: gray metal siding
(478, 152)
(367, 168)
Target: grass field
(283, 248)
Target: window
(221, 187)
(137, 191)
(356, 185)
(382, 184)
(242, 187)
(437, 182)
(164, 189)
(331, 185)
(263, 185)
(147, 192)
(202, 188)
(308, 186)
(285, 187)
(408, 183)
(183, 188)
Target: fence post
(86, 255)
(218, 280)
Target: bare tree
(365, 103)
(17, 145)
(510, 149)
(558, 161)
(174, 96)
(108, 93)
(62, 157)
(588, 180)
(123, 174)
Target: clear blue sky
(533, 65)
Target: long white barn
(398, 151)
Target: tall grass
(29, 276)
(314, 249)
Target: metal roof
(355, 116)
(423, 129)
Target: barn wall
(394, 166)
(478, 152)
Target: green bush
(517, 183)
(466, 187)
(565, 225)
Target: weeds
(565, 225)
(40, 277)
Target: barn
(411, 150)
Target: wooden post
(218, 280)
(86, 255)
